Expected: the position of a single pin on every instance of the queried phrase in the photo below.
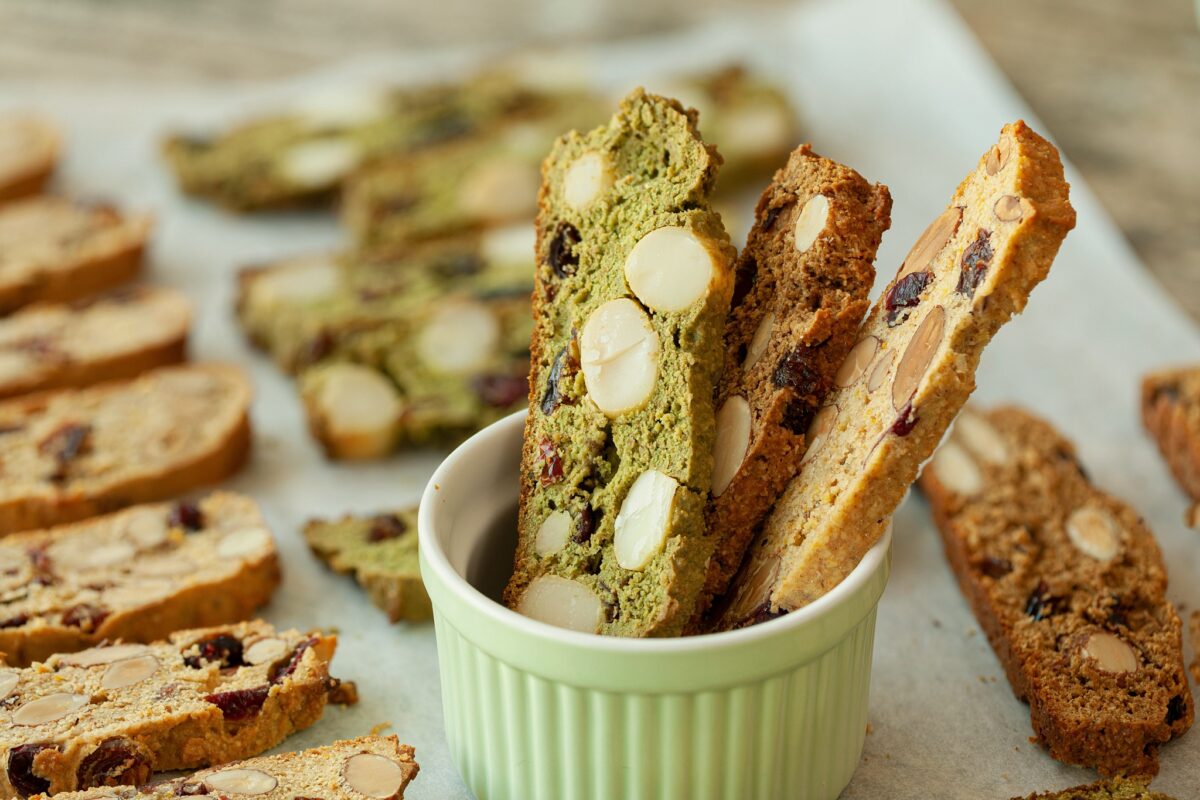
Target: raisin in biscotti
(1171, 413)
(632, 288)
(380, 551)
(1069, 585)
(118, 335)
(115, 714)
(800, 293)
(53, 249)
(911, 371)
(1104, 790)
(74, 453)
(137, 575)
(29, 148)
(371, 766)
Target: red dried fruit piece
(772, 215)
(64, 445)
(906, 420)
(552, 466)
(905, 294)
(85, 616)
(14, 621)
(796, 370)
(975, 262)
(20, 769)
(278, 673)
(189, 789)
(587, 525)
(240, 704)
(798, 416)
(744, 277)
(386, 526)
(562, 256)
(1041, 604)
(499, 390)
(187, 516)
(315, 349)
(115, 762)
(565, 365)
(995, 568)
(224, 649)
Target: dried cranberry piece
(552, 465)
(905, 293)
(15, 621)
(906, 420)
(743, 279)
(975, 262)
(315, 349)
(499, 390)
(85, 616)
(796, 369)
(222, 648)
(240, 704)
(20, 769)
(187, 516)
(279, 672)
(995, 568)
(1041, 604)
(587, 525)
(189, 789)
(1176, 709)
(64, 445)
(386, 526)
(798, 416)
(771, 215)
(563, 258)
(115, 762)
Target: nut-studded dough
(1171, 413)
(29, 148)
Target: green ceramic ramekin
(776, 711)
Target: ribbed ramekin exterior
(797, 735)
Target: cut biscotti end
(135, 575)
(1103, 790)
(800, 294)
(353, 410)
(29, 151)
(1171, 414)
(380, 551)
(632, 288)
(113, 336)
(1068, 584)
(119, 712)
(74, 453)
(55, 249)
(968, 273)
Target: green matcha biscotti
(1104, 790)
(632, 287)
(380, 551)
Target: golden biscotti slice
(1171, 414)
(370, 766)
(29, 148)
(909, 374)
(800, 293)
(118, 335)
(115, 714)
(1070, 587)
(136, 575)
(74, 453)
(1104, 790)
(631, 293)
(54, 249)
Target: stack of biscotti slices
(1069, 585)
(135, 575)
(908, 375)
(74, 453)
(29, 148)
(370, 766)
(628, 319)
(1171, 414)
(117, 713)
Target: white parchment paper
(898, 89)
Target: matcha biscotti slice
(909, 374)
(29, 147)
(1104, 790)
(380, 551)
(800, 293)
(632, 289)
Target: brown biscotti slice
(29, 147)
(371, 766)
(115, 714)
(1171, 413)
(74, 453)
(118, 335)
(54, 249)
(910, 372)
(1069, 585)
(1104, 790)
(800, 293)
(136, 575)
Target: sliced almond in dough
(956, 470)
(147, 528)
(818, 431)
(459, 337)
(561, 602)
(319, 163)
(980, 437)
(1094, 532)
(644, 519)
(373, 775)
(760, 340)
(511, 244)
(880, 371)
(8, 681)
(588, 177)
(241, 780)
(552, 533)
(997, 157)
(166, 565)
(49, 708)
(293, 282)
(917, 357)
(245, 542)
(80, 555)
(932, 240)
(618, 354)
(669, 269)
(755, 591)
(264, 651)
(357, 409)
(733, 439)
(128, 672)
(1009, 208)
(1111, 653)
(856, 363)
(343, 108)
(811, 221)
(96, 656)
(500, 189)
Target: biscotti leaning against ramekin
(909, 374)
(136, 575)
(53, 249)
(377, 767)
(631, 292)
(800, 293)
(1070, 587)
(117, 335)
(116, 714)
(1171, 414)
(74, 453)
(29, 147)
